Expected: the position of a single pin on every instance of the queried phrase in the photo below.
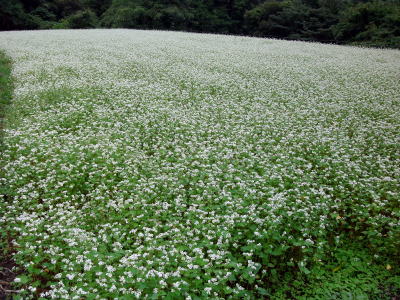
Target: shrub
(82, 19)
(126, 17)
(371, 23)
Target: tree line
(362, 22)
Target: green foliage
(97, 6)
(369, 22)
(6, 88)
(43, 13)
(5, 79)
(272, 178)
(170, 17)
(294, 19)
(350, 273)
(63, 24)
(261, 19)
(13, 16)
(125, 17)
(65, 8)
(130, 14)
(82, 19)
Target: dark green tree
(82, 19)
(97, 6)
(13, 16)
(265, 19)
(374, 23)
(366, 22)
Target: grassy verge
(7, 274)
(6, 88)
(5, 84)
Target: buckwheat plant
(150, 164)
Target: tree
(367, 22)
(82, 19)
(65, 8)
(261, 19)
(13, 16)
(97, 6)
(372, 23)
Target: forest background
(358, 22)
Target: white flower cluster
(149, 163)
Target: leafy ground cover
(5, 85)
(170, 165)
(7, 264)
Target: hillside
(156, 164)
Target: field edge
(7, 263)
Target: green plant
(136, 164)
(81, 19)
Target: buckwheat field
(165, 165)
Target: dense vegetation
(365, 22)
(5, 89)
(6, 261)
(170, 165)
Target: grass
(5, 84)
(6, 88)
(7, 274)
(145, 164)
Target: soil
(7, 276)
